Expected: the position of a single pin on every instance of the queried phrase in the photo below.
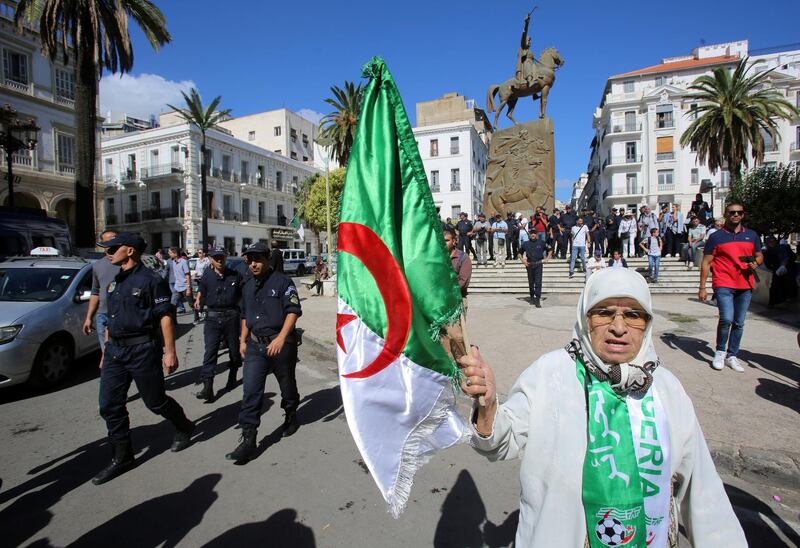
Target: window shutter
(664, 144)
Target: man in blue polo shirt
(734, 252)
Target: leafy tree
(313, 210)
(92, 35)
(339, 127)
(771, 199)
(205, 118)
(734, 109)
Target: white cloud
(140, 95)
(311, 115)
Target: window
(434, 181)
(251, 135)
(455, 179)
(245, 169)
(453, 145)
(724, 178)
(630, 183)
(661, 80)
(133, 203)
(227, 206)
(628, 86)
(230, 244)
(305, 139)
(665, 179)
(295, 181)
(246, 242)
(305, 158)
(797, 99)
(226, 163)
(454, 211)
(109, 206)
(65, 84)
(278, 151)
(293, 135)
(664, 116)
(695, 178)
(277, 132)
(693, 111)
(262, 212)
(293, 155)
(770, 143)
(66, 151)
(630, 152)
(664, 148)
(154, 158)
(279, 181)
(155, 201)
(246, 209)
(15, 66)
(434, 148)
(630, 120)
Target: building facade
(37, 88)
(153, 186)
(281, 131)
(636, 154)
(452, 137)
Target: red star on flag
(341, 321)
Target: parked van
(24, 230)
(296, 262)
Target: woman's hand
(479, 382)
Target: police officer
(220, 289)
(533, 254)
(268, 344)
(275, 258)
(138, 309)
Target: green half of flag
(386, 193)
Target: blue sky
(263, 55)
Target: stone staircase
(673, 278)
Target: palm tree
(93, 35)
(339, 127)
(734, 110)
(205, 119)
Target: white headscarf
(635, 376)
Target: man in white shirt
(580, 239)
(499, 230)
(595, 264)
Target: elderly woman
(610, 446)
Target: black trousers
(215, 330)
(512, 248)
(257, 365)
(672, 243)
(140, 363)
(535, 280)
(563, 245)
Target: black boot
(290, 424)
(121, 461)
(207, 393)
(183, 437)
(231, 384)
(246, 449)
(536, 303)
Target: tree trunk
(86, 84)
(204, 194)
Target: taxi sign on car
(44, 251)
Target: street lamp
(15, 135)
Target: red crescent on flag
(362, 242)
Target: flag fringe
(411, 459)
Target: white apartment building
(281, 131)
(37, 88)
(152, 186)
(636, 156)
(578, 200)
(452, 137)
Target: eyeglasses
(733, 212)
(637, 319)
(112, 250)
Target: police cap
(218, 251)
(257, 248)
(126, 238)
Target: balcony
(666, 187)
(435, 188)
(22, 159)
(616, 129)
(794, 147)
(132, 217)
(111, 219)
(660, 156)
(630, 190)
(155, 214)
(245, 217)
(665, 124)
(160, 170)
(622, 160)
(21, 87)
(127, 176)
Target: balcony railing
(794, 146)
(160, 170)
(132, 217)
(666, 187)
(22, 159)
(630, 190)
(621, 160)
(17, 86)
(127, 175)
(665, 156)
(623, 128)
(245, 217)
(153, 214)
(435, 188)
(66, 170)
(665, 124)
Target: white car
(43, 302)
(296, 262)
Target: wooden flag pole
(463, 321)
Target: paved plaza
(312, 489)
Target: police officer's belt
(222, 312)
(263, 340)
(130, 341)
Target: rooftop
(681, 65)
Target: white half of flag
(398, 417)
(301, 233)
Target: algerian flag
(397, 288)
(297, 224)
(301, 233)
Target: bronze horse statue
(511, 90)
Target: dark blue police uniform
(137, 300)
(535, 252)
(221, 294)
(265, 304)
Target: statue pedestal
(520, 174)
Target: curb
(776, 468)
